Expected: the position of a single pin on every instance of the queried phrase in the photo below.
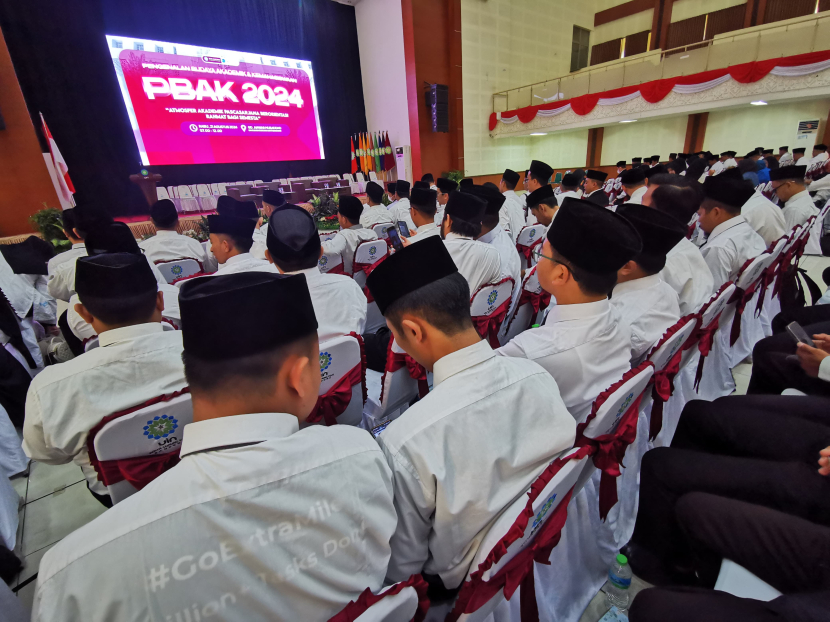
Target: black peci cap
(726, 190)
(115, 237)
(446, 185)
(292, 234)
(510, 176)
(231, 225)
(545, 192)
(492, 198)
(788, 172)
(540, 170)
(465, 206)
(351, 207)
(375, 192)
(113, 276)
(633, 177)
(596, 175)
(164, 213)
(659, 232)
(273, 198)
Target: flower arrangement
(49, 223)
(324, 210)
(200, 232)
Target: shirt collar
(427, 227)
(236, 430)
(126, 333)
(310, 273)
(238, 259)
(165, 234)
(798, 197)
(563, 313)
(636, 284)
(460, 360)
(355, 227)
(491, 235)
(509, 193)
(732, 222)
(79, 245)
(456, 236)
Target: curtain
(61, 59)
(636, 43)
(604, 52)
(685, 32)
(778, 10)
(725, 20)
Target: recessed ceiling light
(686, 56)
(539, 134)
(759, 103)
(629, 121)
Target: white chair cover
(12, 458)
(9, 517)
(338, 357)
(521, 316)
(178, 269)
(188, 201)
(207, 200)
(813, 247)
(380, 230)
(161, 193)
(329, 261)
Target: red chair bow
(527, 251)
(357, 608)
(397, 360)
(367, 269)
(488, 325)
(663, 380)
(705, 340)
(338, 269)
(334, 402)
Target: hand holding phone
(403, 229)
(799, 334)
(394, 239)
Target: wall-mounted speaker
(438, 104)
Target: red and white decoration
(58, 169)
(657, 90)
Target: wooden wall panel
(685, 32)
(622, 10)
(636, 43)
(604, 52)
(824, 5)
(725, 20)
(778, 10)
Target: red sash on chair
(742, 297)
(397, 360)
(705, 339)
(765, 282)
(527, 251)
(536, 301)
(357, 608)
(338, 269)
(367, 269)
(488, 325)
(608, 450)
(334, 402)
(138, 471)
(663, 381)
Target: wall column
(594, 157)
(696, 132)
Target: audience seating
(207, 201)
(403, 380)
(526, 309)
(188, 201)
(367, 256)
(380, 230)
(178, 269)
(400, 602)
(489, 306)
(331, 263)
(343, 387)
(529, 238)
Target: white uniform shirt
(820, 158)
(637, 195)
(688, 275)
(477, 262)
(803, 161)
(785, 159)
(728, 248)
(425, 231)
(400, 213)
(18, 290)
(730, 163)
(765, 217)
(77, 250)
(375, 215)
(510, 264)
(339, 303)
(717, 167)
(61, 284)
(585, 347)
(346, 242)
(512, 215)
(259, 521)
(798, 209)
(244, 262)
(131, 366)
(171, 245)
(649, 306)
(466, 451)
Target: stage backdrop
(65, 70)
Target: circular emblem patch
(325, 361)
(494, 295)
(323, 261)
(532, 233)
(160, 427)
(177, 270)
(373, 250)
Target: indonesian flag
(389, 156)
(63, 184)
(354, 160)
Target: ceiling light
(629, 121)
(539, 134)
(760, 102)
(686, 56)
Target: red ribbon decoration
(536, 300)
(476, 592)
(367, 269)
(767, 278)
(742, 297)
(357, 608)
(488, 325)
(138, 471)
(338, 269)
(527, 251)
(397, 360)
(334, 402)
(705, 339)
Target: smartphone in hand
(799, 334)
(403, 229)
(394, 239)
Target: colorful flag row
(373, 152)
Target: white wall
(383, 68)
(623, 141)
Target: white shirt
(649, 306)
(728, 248)
(19, 291)
(259, 521)
(822, 157)
(244, 262)
(765, 217)
(466, 451)
(585, 347)
(477, 262)
(425, 231)
(346, 242)
(798, 209)
(510, 264)
(339, 303)
(637, 195)
(131, 365)
(803, 161)
(77, 250)
(171, 245)
(688, 275)
(375, 215)
(785, 159)
(61, 284)
(400, 213)
(716, 168)
(512, 215)
(730, 163)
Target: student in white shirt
(512, 214)
(259, 519)
(168, 244)
(375, 212)
(539, 175)
(400, 210)
(543, 205)
(788, 185)
(78, 247)
(136, 361)
(271, 200)
(645, 301)
(731, 240)
(445, 188)
(784, 156)
(799, 157)
(764, 216)
(422, 210)
(477, 262)
(594, 183)
(429, 180)
(819, 154)
(634, 184)
(294, 247)
(568, 188)
(351, 234)
(583, 343)
(457, 459)
(495, 236)
(231, 239)
(685, 270)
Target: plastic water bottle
(619, 580)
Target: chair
(343, 387)
(206, 198)
(131, 448)
(298, 189)
(529, 237)
(530, 302)
(488, 308)
(400, 602)
(738, 581)
(325, 236)
(179, 269)
(746, 283)
(173, 192)
(380, 230)
(189, 202)
(161, 193)
(403, 380)
(367, 256)
(373, 176)
(709, 322)
(813, 246)
(331, 263)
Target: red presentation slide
(197, 105)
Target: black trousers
(696, 605)
(772, 368)
(375, 345)
(75, 344)
(14, 384)
(747, 455)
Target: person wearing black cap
(770, 159)
(819, 154)
(466, 182)
(634, 184)
(731, 241)
(429, 180)
(78, 247)
(655, 160)
(422, 210)
(351, 233)
(492, 233)
(477, 262)
(673, 157)
(540, 174)
(636, 162)
(647, 162)
(445, 188)
(375, 212)
(762, 214)
(582, 343)
(271, 200)
(784, 156)
(799, 158)
(696, 166)
(789, 186)
(426, 303)
(644, 300)
(259, 518)
(685, 270)
(725, 161)
(399, 211)
(168, 244)
(543, 205)
(512, 215)
(422, 185)
(568, 188)
(621, 167)
(231, 239)
(294, 247)
(594, 192)
(136, 361)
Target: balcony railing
(801, 35)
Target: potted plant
(49, 223)
(324, 210)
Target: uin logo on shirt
(325, 361)
(544, 510)
(176, 270)
(160, 427)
